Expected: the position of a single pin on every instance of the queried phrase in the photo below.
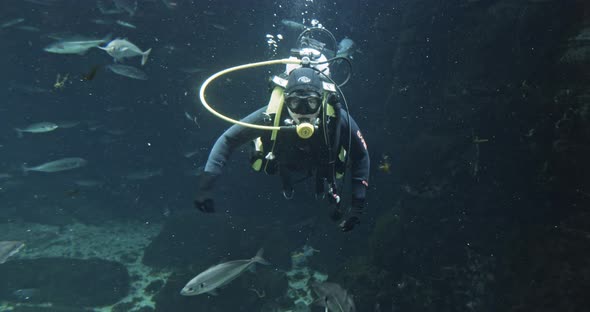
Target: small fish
(12, 22)
(9, 248)
(128, 71)
(40, 127)
(385, 164)
(219, 27)
(74, 46)
(121, 48)
(130, 6)
(28, 28)
(170, 4)
(102, 21)
(5, 176)
(43, 2)
(25, 294)
(191, 154)
(143, 175)
(216, 276)
(293, 25)
(63, 164)
(191, 70)
(192, 119)
(126, 24)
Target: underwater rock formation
(63, 282)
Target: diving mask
(307, 103)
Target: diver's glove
(354, 217)
(204, 201)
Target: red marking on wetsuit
(358, 134)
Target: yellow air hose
(237, 68)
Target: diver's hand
(204, 201)
(349, 224)
(354, 217)
(206, 205)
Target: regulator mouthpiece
(305, 130)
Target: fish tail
(19, 132)
(145, 56)
(258, 258)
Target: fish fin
(124, 49)
(108, 37)
(102, 48)
(25, 169)
(145, 56)
(258, 258)
(213, 292)
(19, 132)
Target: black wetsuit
(293, 153)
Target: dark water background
(431, 78)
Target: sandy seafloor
(122, 242)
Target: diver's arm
(231, 139)
(359, 167)
(360, 161)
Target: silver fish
(28, 28)
(121, 48)
(128, 71)
(170, 4)
(125, 24)
(75, 46)
(9, 248)
(143, 175)
(219, 275)
(130, 6)
(58, 165)
(293, 25)
(102, 21)
(334, 297)
(12, 22)
(40, 127)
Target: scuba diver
(312, 135)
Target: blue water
(443, 92)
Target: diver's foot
(288, 194)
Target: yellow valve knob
(305, 130)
